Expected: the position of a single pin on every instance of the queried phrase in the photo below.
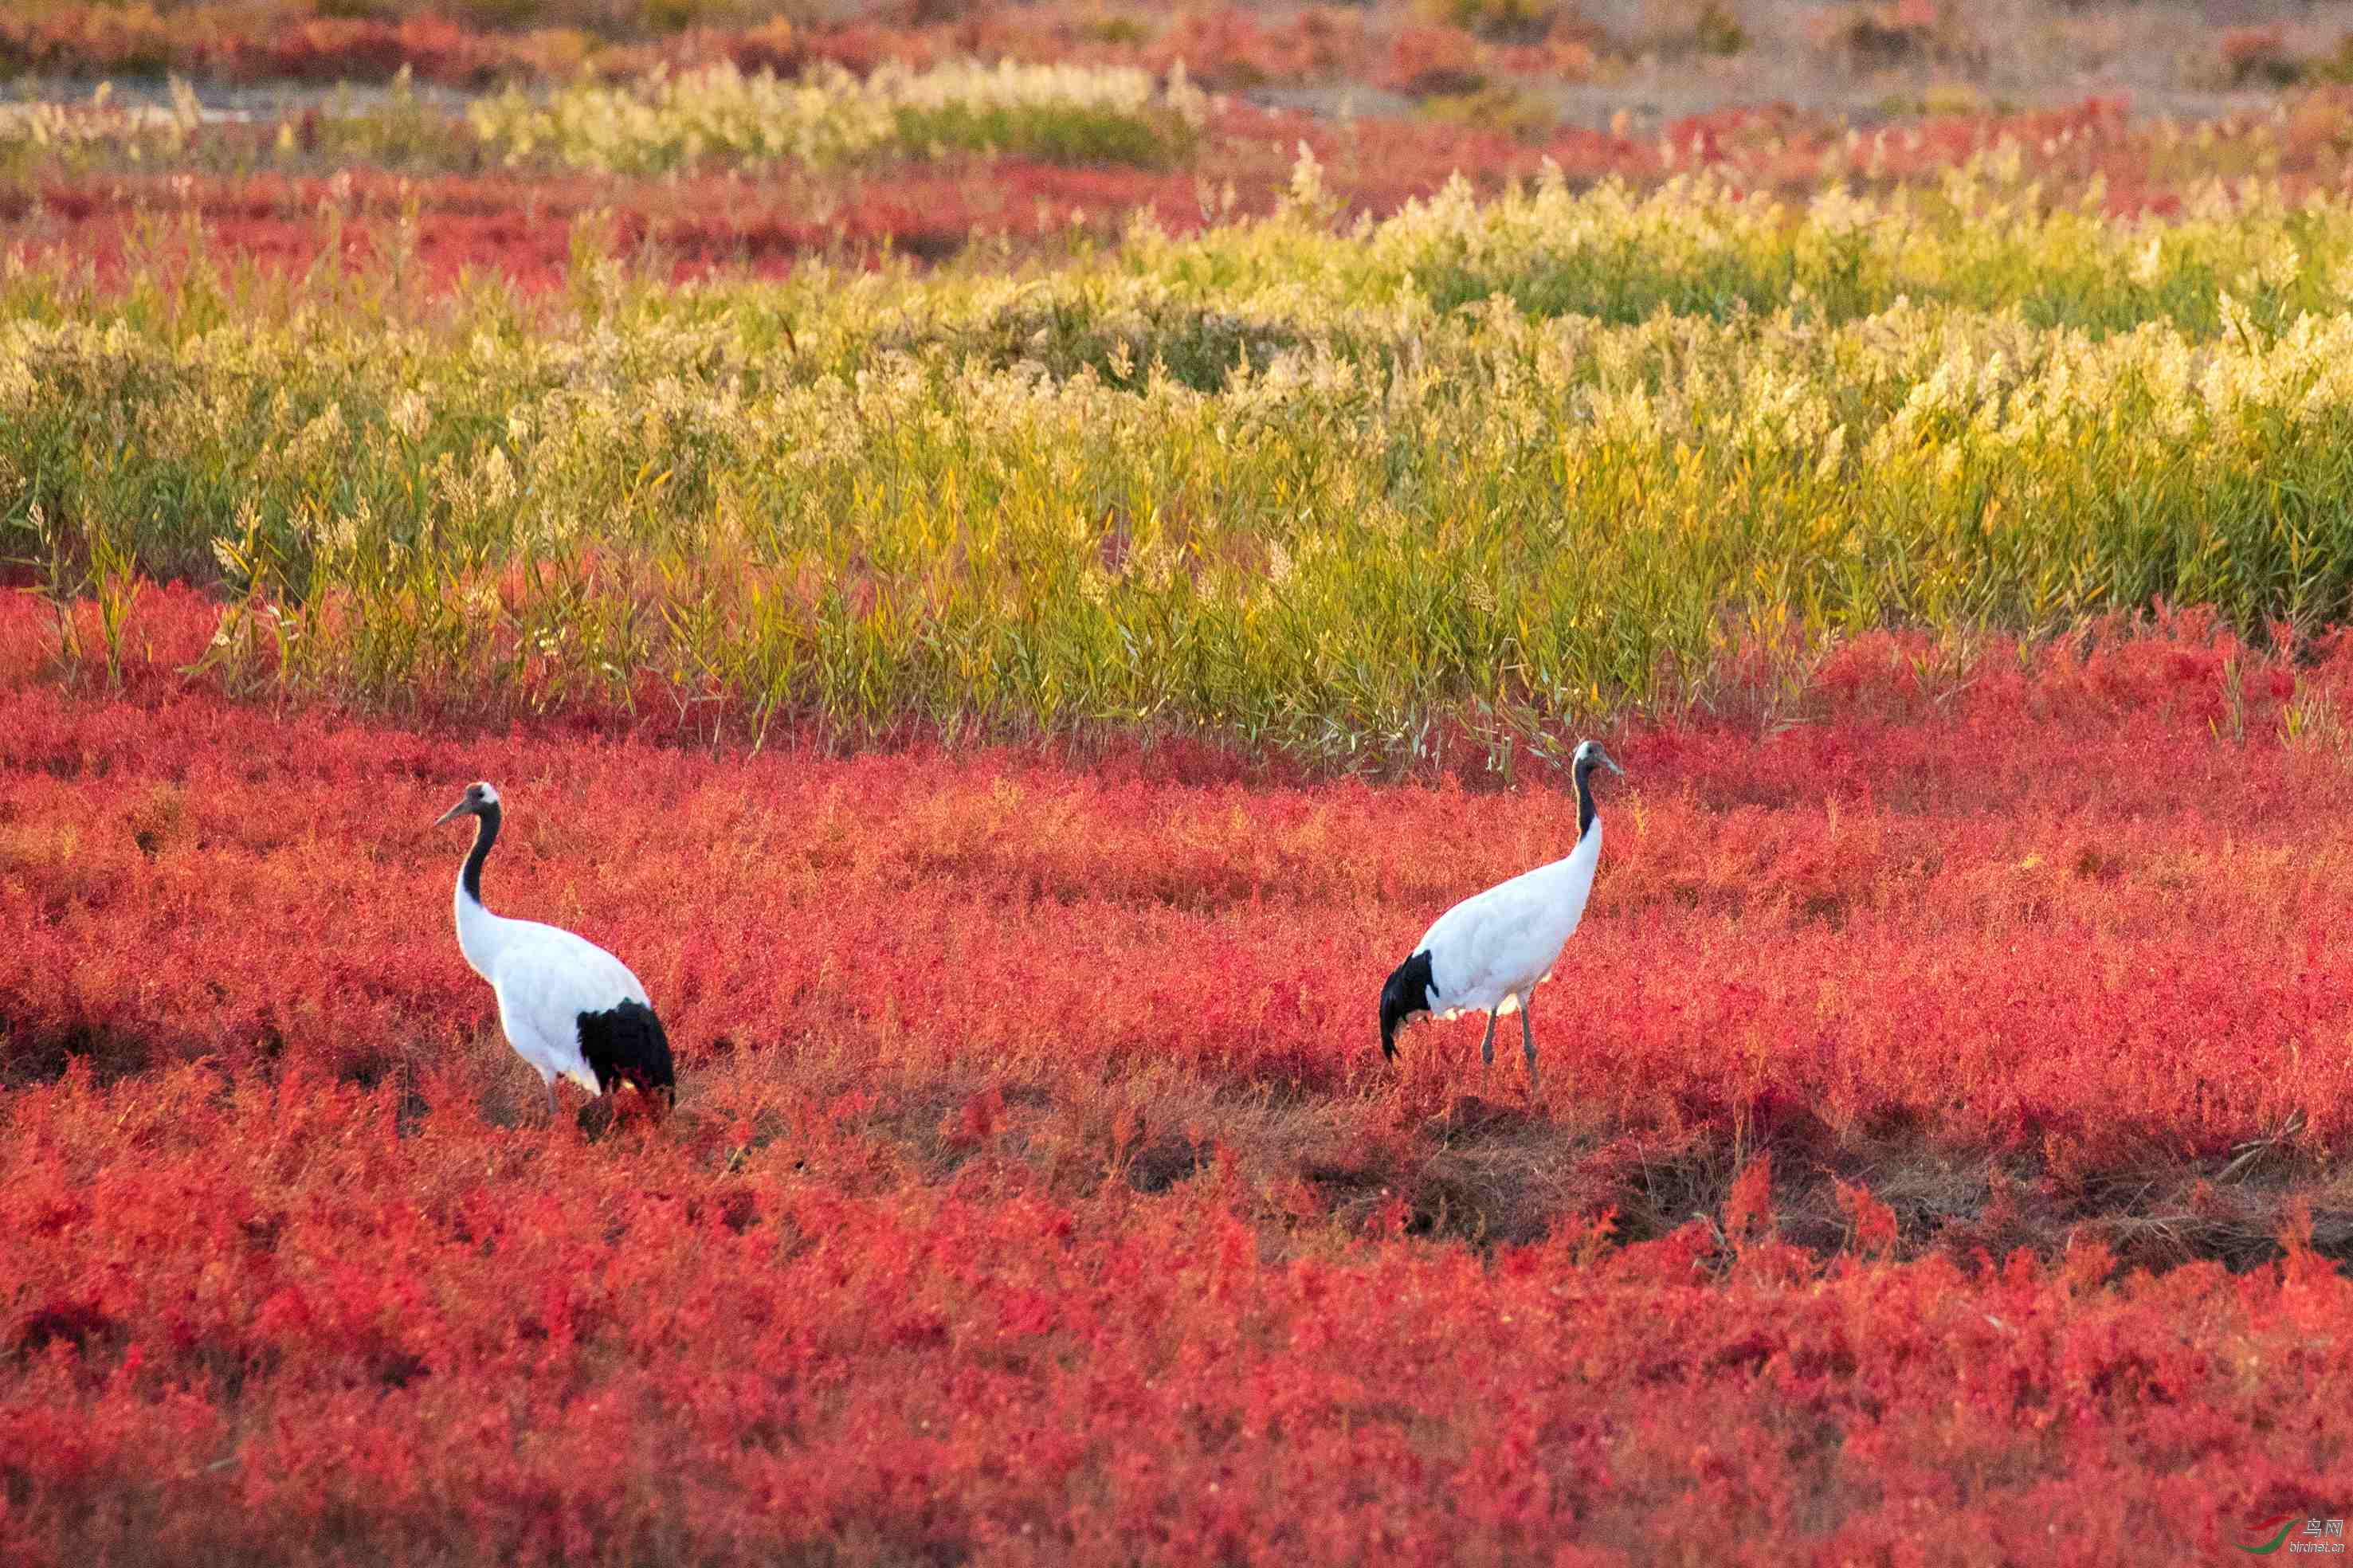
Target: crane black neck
(486, 833)
(1584, 771)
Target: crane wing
(1493, 946)
(549, 977)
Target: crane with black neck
(1489, 953)
(569, 1008)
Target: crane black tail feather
(627, 1045)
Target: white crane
(1489, 953)
(568, 1007)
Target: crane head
(479, 800)
(1407, 994)
(1590, 753)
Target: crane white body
(1489, 953)
(544, 978)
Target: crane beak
(459, 810)
(1608, 762)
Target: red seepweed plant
(1937, 1126)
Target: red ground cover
(524, 228)
(1037, 1192)
(275, 1321)
(257, 41)
(522, 225)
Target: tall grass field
(1329, 488)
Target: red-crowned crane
(1489, 953)
(568, 1007)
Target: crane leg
(553, 1110)
(1487, 1051)
(1528, 1045)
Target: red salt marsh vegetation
(1939, 1118)
(1428, 47)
